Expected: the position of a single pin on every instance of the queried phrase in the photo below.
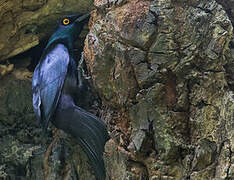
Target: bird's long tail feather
(90, 132)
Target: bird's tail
(89, 130)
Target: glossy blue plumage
(48, 81)
(55, 83)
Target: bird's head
(73, 23)
(69, 29)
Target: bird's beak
(82, 18)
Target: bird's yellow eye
(66, 21)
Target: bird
(55, 84)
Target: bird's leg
(81, 71)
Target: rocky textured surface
(159, 66)
(24, 23)
(164, 72)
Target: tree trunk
(164, 72)
(159, 67)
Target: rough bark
(164, 72)
(159, 67)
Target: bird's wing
(48, 81)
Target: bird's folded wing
(48, 81)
